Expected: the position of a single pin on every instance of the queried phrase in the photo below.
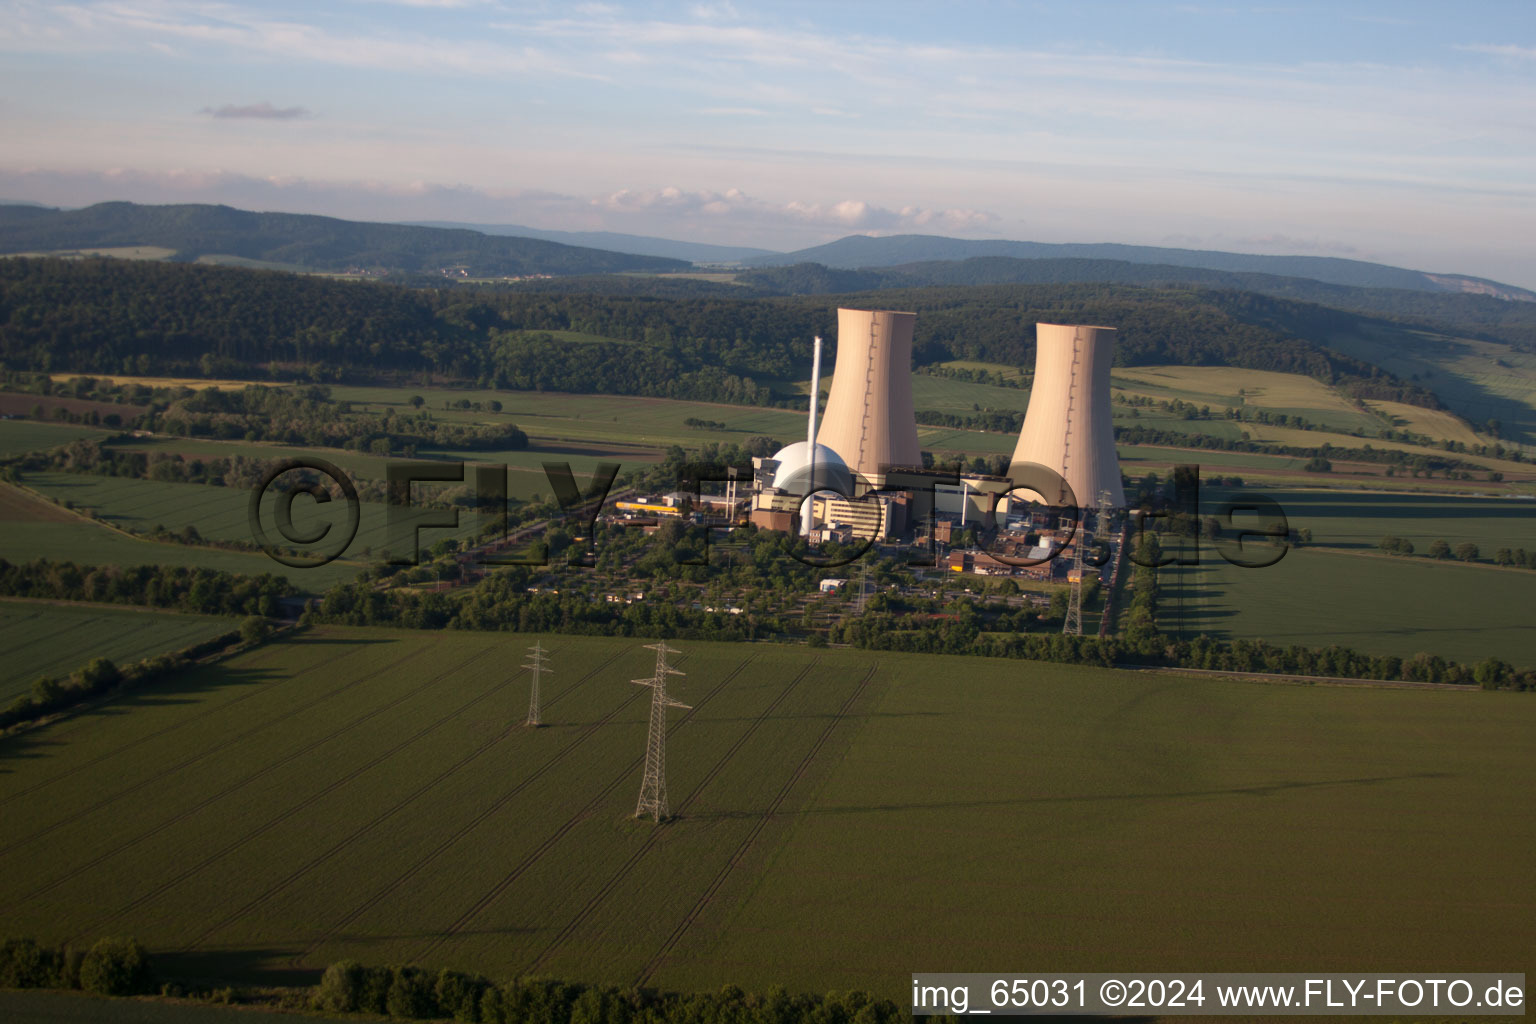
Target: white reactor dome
(801, 473)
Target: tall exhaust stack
(869, 419)
(810, 439)
(1069, 427)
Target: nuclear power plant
(869, 420)
(833, 485)
(1068, 428)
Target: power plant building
(869, 427)
(869, 419)
(1068, 427)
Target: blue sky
(1399, 132)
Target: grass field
(1343, 591)
(1478, 380)
(18, 437)
(122, 252)
(1375, 604)
(368, 794)
(34, 529)
(42, 638)
(1231, 387)
(218, 513)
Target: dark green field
(1342, 590)
(56, 639)
(845, 817)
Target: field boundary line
(581, 815)
(180, 765)
(227, 790)
(1292, 679)
(272, 823)
(750, 839)
(650, 840)
(374, 822)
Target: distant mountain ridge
(305, 241)
(864, 252)
(639, 245)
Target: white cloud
(260, 111)
(1502, 50)
(848, 214)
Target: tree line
(145, 318)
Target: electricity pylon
(1073, 623)
(538, 668)
(653, 788)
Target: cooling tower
(1068, 426)
(869, 419)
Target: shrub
(99, 674)
(410, 993)
(254, 629)
(25, 964)
(341, 987)
(116, 967)
(459, 994)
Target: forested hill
(863, 251)
(1483, 316)
(300, 240)
(115, 316)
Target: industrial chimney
(1068, 427)
(869, 419)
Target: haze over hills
(639, 245)
(864, 251)
(304, 241)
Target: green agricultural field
(1479, 380)
(1221, 387)
(221, 513)
(18, 437)
(42, 638)
(1371, 603)
(356, 463)
(593, 424)
(841, 817)
(1392, 605)
(1341, 590)
(33, 528)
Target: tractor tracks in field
(231, 788)
(639, 854)
(751, 837)
(338, 783)
(362, 830)
(188, 720)
(188, 762)
(586, 811)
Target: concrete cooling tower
(1068, 427)
(869, 419)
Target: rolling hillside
(303, 241)
(856, 251)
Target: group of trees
(204, 591)
(111, 967)
(1395, 459)
(415, 993)
(148, 318)
(305, 415)
(1465, 551)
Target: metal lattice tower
(1073, 623)
(653, 788)
(537, 666)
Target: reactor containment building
(869, 428)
